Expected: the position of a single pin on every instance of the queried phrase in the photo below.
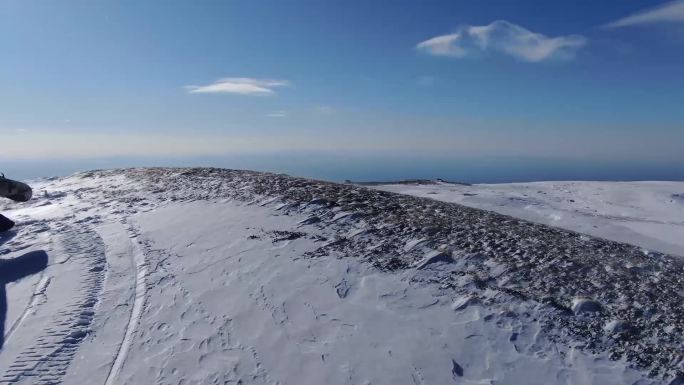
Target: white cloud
(444, 45)
(502, 37)
(277, 114)
(671, 12)
(241, 86)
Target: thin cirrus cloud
(240, 86)
(504, 38)
(277, 114)
(672, 12)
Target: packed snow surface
(209, 276)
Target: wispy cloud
(241, 86)
(672, 12)
(502, 37)
(277, 114)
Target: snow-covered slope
(648, 214)
(207, 276)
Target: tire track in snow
(136, 312)
(59, 333)
(40, 288)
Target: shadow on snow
(12, 270)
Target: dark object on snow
(5, 223)
(456, 370)
(14, 190)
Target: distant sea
(387, 167)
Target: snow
(648, 214)
(224, 282)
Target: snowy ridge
(261, 278)
(549, 266)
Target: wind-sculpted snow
(496, 259)
(224, 276)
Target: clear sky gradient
(573, 80)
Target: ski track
(47, 360)
(136, 312)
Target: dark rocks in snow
(391, 264)
(320, 202)
(279, 236)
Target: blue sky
(573, 80)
